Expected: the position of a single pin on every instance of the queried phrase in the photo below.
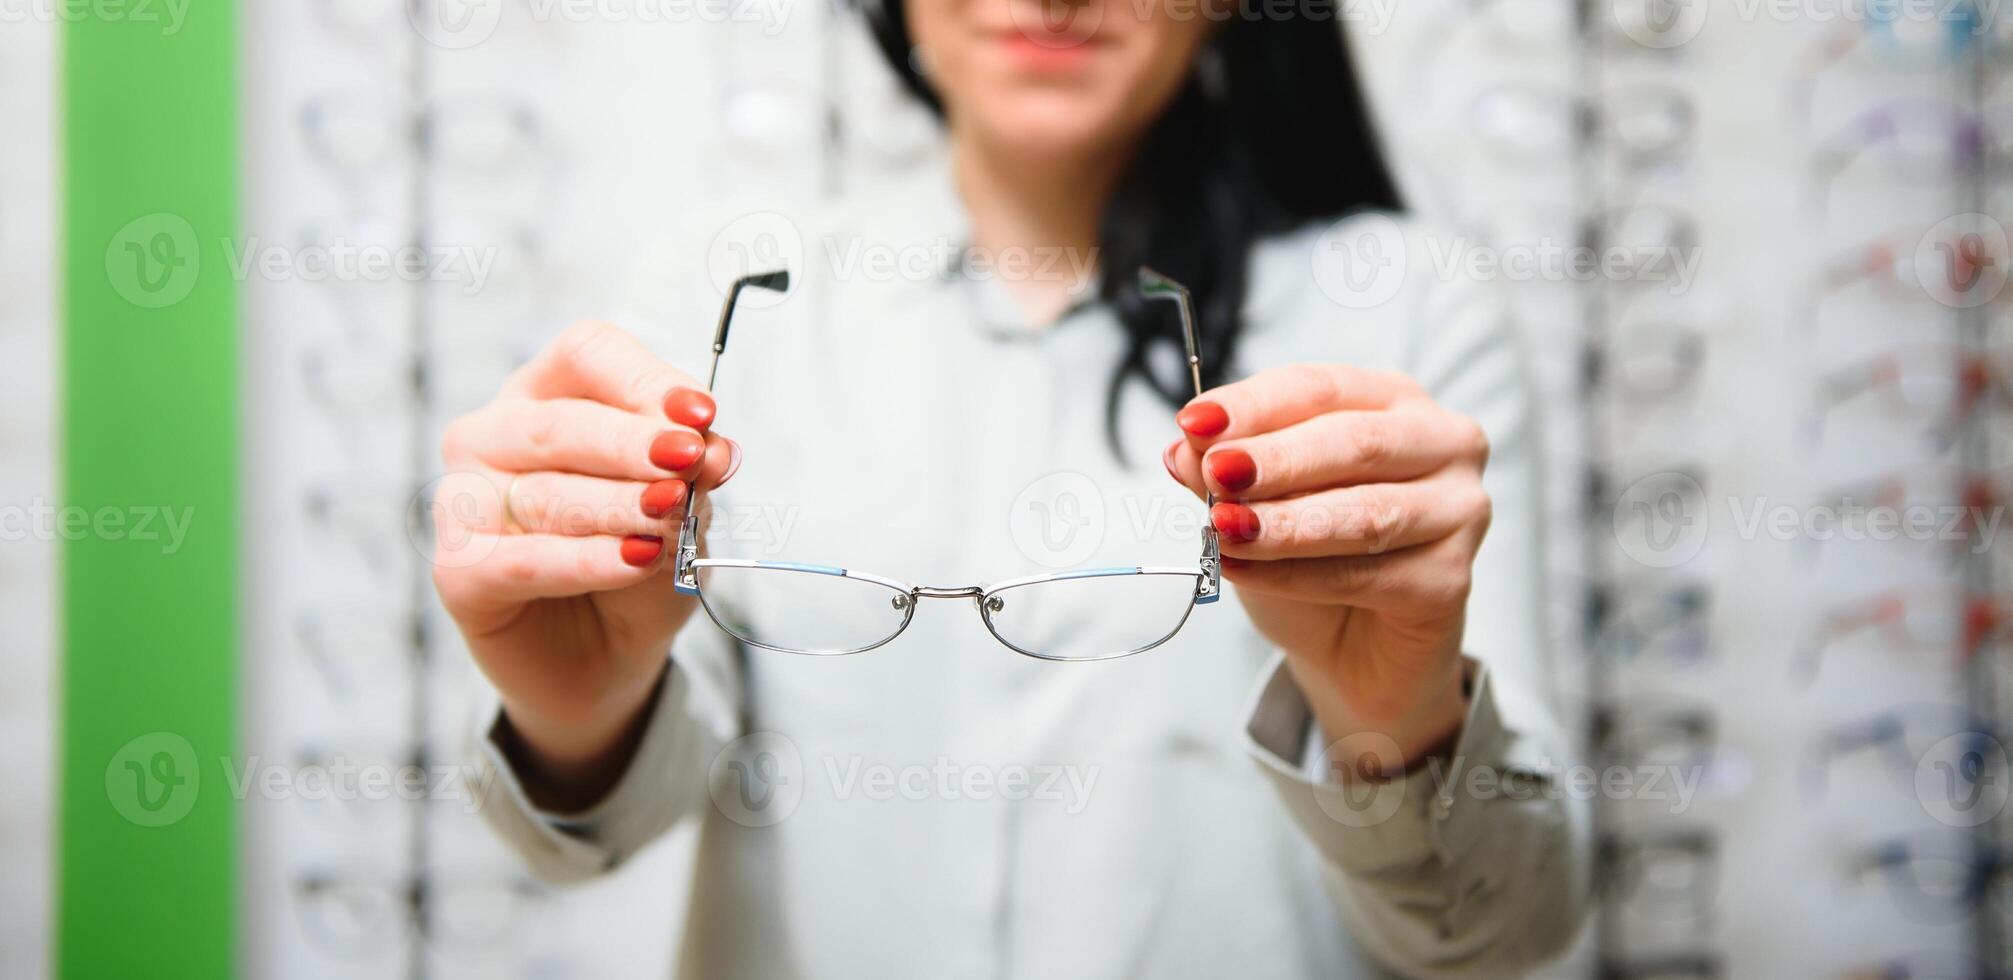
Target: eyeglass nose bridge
(946, 592)
(977, 594)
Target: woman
(1279, 790)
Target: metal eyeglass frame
(1207, 572)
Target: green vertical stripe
(147, 854)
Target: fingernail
(1232, 469)
(1167, 459)
(689, 406)
(677, 450)
(733, 462)
(662, 498)
(1234, 521)
(639, 550)
(1203, 419)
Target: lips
(1066, 35)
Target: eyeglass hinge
(1210, 588)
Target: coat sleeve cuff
(687, 726)
(1367, 828)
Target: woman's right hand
(564, 593)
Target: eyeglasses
(1667, 621)
(354, 913)
(1934, 964)
(1906, 743)
(1644, 125)
(1919, 142)
(825, 610)
(1673, 737)
(1668, 874)
(1697, 965)
(1931, 877)
(1937, 383)
(1960, 498)
(1934, 621)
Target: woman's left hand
(1350, 507)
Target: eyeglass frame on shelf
(1208, 571)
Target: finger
(510, 568)
(601, 362)
(578, 506)
(1373, 519)
(576, 435)
(1435, 576)
(1343, 449)
(1184, 464)
(1281, 396)
(467, 503)
(722, 460)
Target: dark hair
(1274, 134)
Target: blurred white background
(1803, 155)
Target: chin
(1051, 121)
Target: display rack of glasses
(549, 147)
(1646, 613)
(1982, 387)
(1904, 114)
(352, 141)
(535, 144)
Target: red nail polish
(662, 498)
(1234, 521)
(1167, 458)
(689, 406)
(1203, 419)
(639, 550)
(677, 450)
(1232, 469)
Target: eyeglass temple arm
(684, 578)
(1154, 285)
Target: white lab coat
(942, 806)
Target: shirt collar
(992, 305)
